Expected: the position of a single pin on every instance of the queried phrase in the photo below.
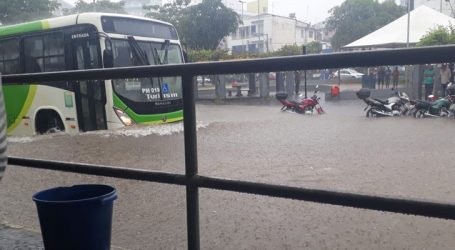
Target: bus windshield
(147, 89)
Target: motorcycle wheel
(371, 114)
(420, 113)
(308, 109)
(298, 110)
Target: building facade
(443, 6)
(268, 33)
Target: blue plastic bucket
(77, 217)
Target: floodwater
(340, 150)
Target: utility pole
(304, 72)
(410, 8)
(242, 28)
(258, 9)
(259, 38)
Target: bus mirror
(185, 56)
(108, 59)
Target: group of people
(446, 73)
(383, 76)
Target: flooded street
(340, 150)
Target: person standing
(381, 77)
(445, 78)
(428, 78)
(395, 77)
(452, 68)
(388, 74)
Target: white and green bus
(88, 41)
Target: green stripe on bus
(18, 100)
(23, 28)
(148, 119)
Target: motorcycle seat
(381, 101)
(371, 101)
(296, 103)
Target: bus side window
(54, 52)
(33, 53)
(9, 56)
(44, 53)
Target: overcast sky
(306, 10)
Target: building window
(310, 34)
(253, 29)
(261, 27)
(252, 48)
(302, 33)
(238, 49)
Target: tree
(201, 26)
(354, 19)
(99, 6)
(170, 12)
(439, 36)
(14, 11)
(204, 25)
(314, 47)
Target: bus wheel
(48, 121)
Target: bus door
(90, 95)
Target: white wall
(279, 31)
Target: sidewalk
(19, 238)
(12, 237)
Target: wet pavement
(340, 150)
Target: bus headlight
(126, 120)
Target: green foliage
(15, 11)
(288, 50)
(170, 12)
(439, 36)
(354, 19)
(201, 26)
(221, 55)
(207, 55)
(204, 25)
(314, 47)
(99, 6)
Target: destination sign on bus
(153, 94)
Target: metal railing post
(191, 169)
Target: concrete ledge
(351, 94)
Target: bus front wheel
(48, 121)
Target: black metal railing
(193, 181)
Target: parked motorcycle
(301, 105)
(437, 108)
(402, 102)
(288, 105)
(452, 111)
(396, 105)
(451, 92)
